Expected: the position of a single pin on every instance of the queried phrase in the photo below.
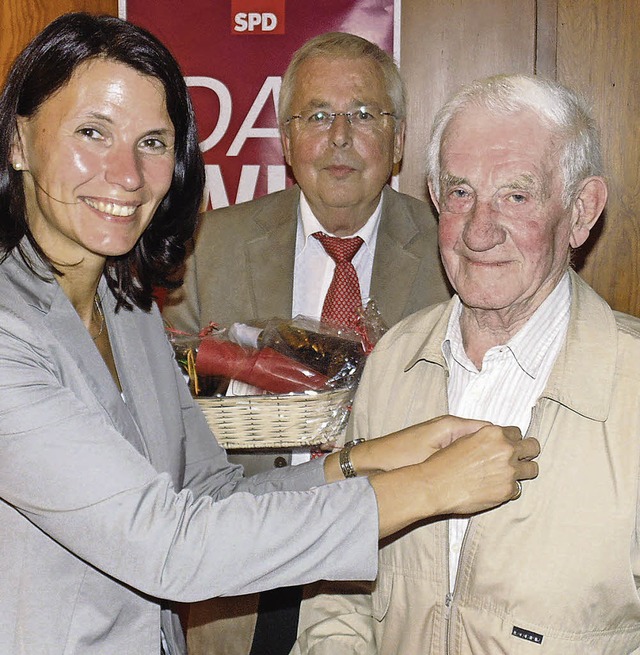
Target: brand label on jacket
(527, 635)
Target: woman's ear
(587, 208)
(17, 157)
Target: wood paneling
(445, 44)
(21, 20)
(546, 38)
(598, 54)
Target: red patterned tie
(343, 297)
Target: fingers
(527, 448)
(512, 434)
(502, 460)
(450, 428)
(526, 470)
(459, 427)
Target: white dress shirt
(313, 270)
(313, 267)
(510, 381)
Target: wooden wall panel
(599, 55)
(21, 20)
(445, 44)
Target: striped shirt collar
(530, 344)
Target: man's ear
(285, 140)
(433, 196)
(398, 142)
(586, 209)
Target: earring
(17, 166)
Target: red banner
(233, 54)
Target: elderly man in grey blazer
(342, 123)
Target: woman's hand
(411, 445)
(468, 474)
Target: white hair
(561, 109)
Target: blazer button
(279, 462)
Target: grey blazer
(109, 508)
(241, 267)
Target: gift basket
(297, 378)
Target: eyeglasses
(364, 118)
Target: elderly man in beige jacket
(515, 172)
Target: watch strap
(346, 465)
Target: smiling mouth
(482, 264)
(113, 208)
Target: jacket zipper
(450, 597)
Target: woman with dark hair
(116, 498)
(43, 68)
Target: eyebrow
(170, 131)
(98, 116)
(355, 104)
(525, 182)
(448, 180)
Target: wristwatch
(346, 465)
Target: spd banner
(233, 54)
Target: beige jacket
(555, 573)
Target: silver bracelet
(346, 465)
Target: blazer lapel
(395, 265)
(92, 374)
(148, 390)
(271, 257)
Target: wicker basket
(277, 421)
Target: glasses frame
(332, 115)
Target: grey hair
(561, 109)
(348, 46)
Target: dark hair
(44, 67)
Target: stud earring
(17, 166)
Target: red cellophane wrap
(264, 368)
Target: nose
(124, 167)
(482, 230)
(340, 131)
